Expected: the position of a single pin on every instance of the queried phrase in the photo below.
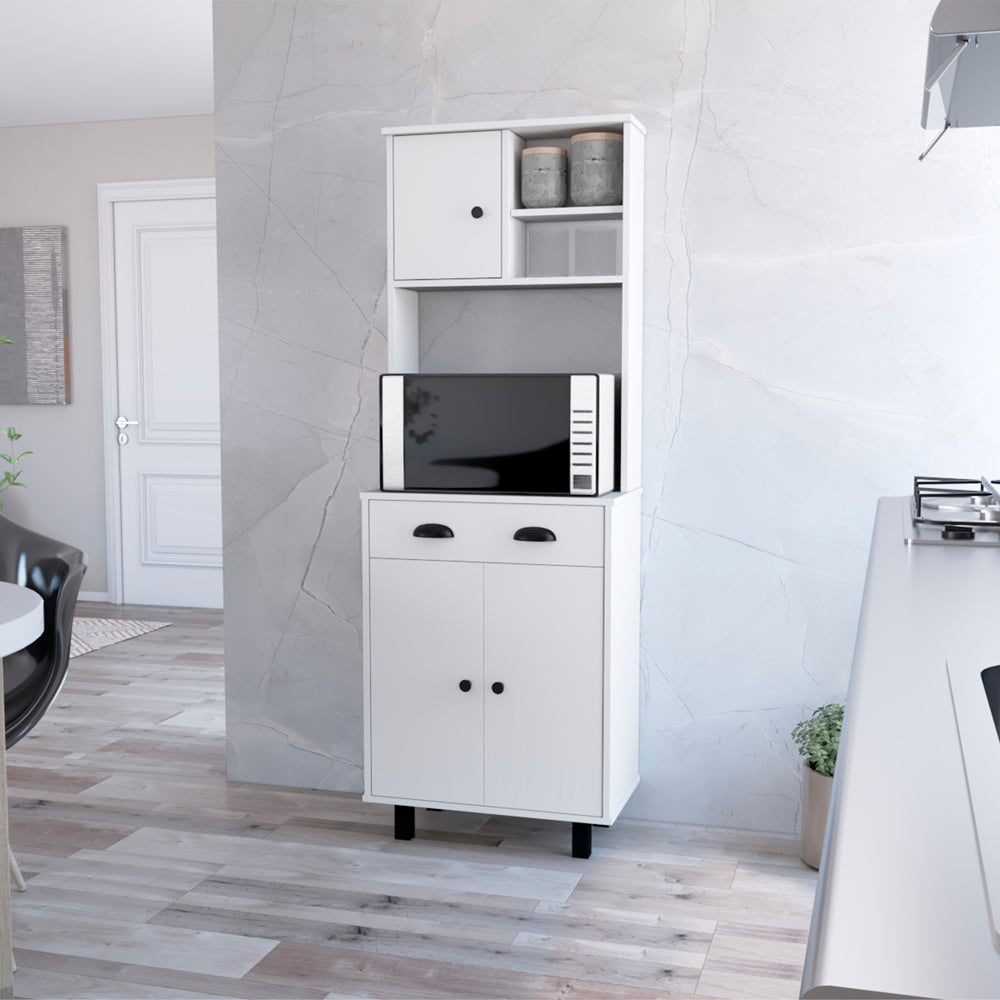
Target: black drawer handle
(465, 685)
(433, 531)
(497, 687)
(534, 535)
(477, 212)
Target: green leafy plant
(818, 737)
(11, 475)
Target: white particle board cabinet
(501, 666)
(501, 676)
(507, 713)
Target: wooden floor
(150, 876)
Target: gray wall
(820, 314)
(49, 176)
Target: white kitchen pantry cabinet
(501, 673)
(501, 633)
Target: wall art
(34, 368)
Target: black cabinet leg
(581, 840)
(406, 822)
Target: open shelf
(555, 281)
(568, 213)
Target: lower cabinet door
(544, 643)
(426, 638)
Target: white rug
(96, 633)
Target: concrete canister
(595, 168)
(543, 177)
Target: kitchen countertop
(900, 905)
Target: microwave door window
(503, 434)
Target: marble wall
(820, 312)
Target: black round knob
(477, 212)
(497, 687)
(465, 685)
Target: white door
(426, 643)
(544, 642)
(167, 367)
(446, 205)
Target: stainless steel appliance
(953, 512)
(962, 85)
(541, 434)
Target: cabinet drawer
(484, 532)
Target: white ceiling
(100, 60)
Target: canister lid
(585, 136)
(543, 149)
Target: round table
(21, 622)
(21, 617)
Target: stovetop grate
(973, 501)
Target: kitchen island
(901, 908)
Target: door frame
(108, 194)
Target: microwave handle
(534, 535)
(433, 531)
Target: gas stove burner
(954, 511)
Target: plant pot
(815, 806)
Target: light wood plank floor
(150, 876)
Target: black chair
(33, 676)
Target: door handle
(534, 535)
(433, 531)
(121, 423)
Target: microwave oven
(503, 433)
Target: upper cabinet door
(447, 205)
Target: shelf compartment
(572, 249)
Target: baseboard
(94, 595)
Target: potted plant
(818, 740)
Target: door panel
(544, 641)
(167, 353)
(425, 637)
(180, 518)
(437, 181)
(179, 399)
